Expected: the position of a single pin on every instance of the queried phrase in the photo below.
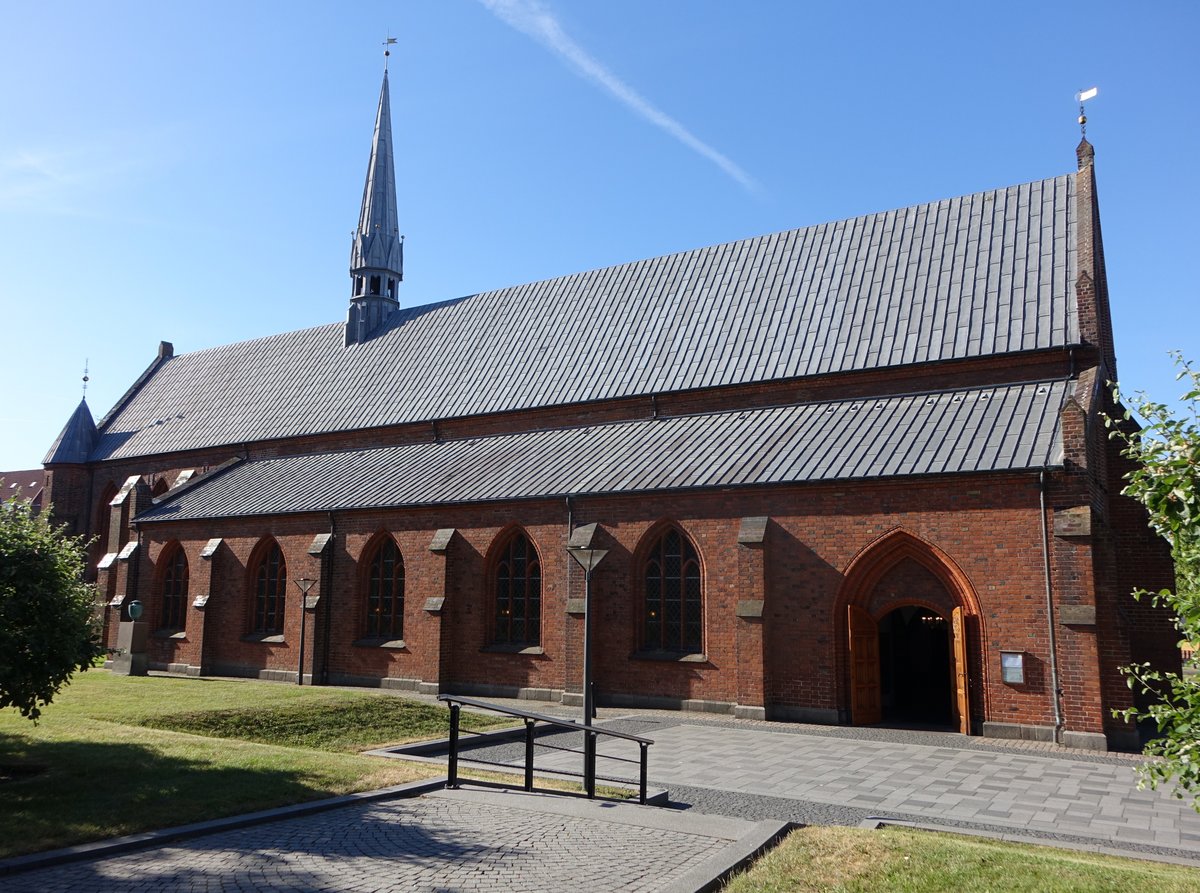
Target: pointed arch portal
(907, 605)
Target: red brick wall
(1143, 562)
(987, 529)
(987, 526)
(184, 648)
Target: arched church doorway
(915, 667)
(907, 637)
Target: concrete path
(470, 839)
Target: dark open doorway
(915, 667)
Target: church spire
(377, 250)
(77, 439)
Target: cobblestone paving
(446, 841)
(1065, 797)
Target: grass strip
(114, 779)
(852, 860)
(95, 767)
(354, 723)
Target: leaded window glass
(270, 587)
(518, 583)
(385, 593)
(175, 590)
(674, 606)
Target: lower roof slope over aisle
(977, 430)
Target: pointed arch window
(673, 613)
(385, 592)
(173, 590)
(517, 586)
(270, 588)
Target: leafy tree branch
(1165, 450)
(48, 628)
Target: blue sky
(192, 173)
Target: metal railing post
(452, 769)
(642, 780)
(589, 763)
(591, 739)
(529, 754)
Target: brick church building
(851, 473)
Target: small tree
(48, 628)
(1166, 480)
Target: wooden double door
(866, 689)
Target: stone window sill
(374, 642)
(671, 656)
(505, 648)
(265, 638)
(177, 634)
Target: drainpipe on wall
(1054, 682)
(327, 602)
(570, 530)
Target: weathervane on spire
(85, 377)
(1083, 96)
(386, 52)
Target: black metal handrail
(590, 733)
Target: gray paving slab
(1059, 796)
(468, 839)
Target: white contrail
(534, 19)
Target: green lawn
(345, 724)
(850, 860)
(115, 755)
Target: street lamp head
(310, 601)
(587, 558)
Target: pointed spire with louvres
(377, 252)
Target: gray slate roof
(77, 439)
(983, 274)
(991, 429)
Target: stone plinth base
(131, 659)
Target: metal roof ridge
(159, 361)
(675, 254)
(148, 373)
(747, 239)
(291, 332)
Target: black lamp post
(588, 559)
